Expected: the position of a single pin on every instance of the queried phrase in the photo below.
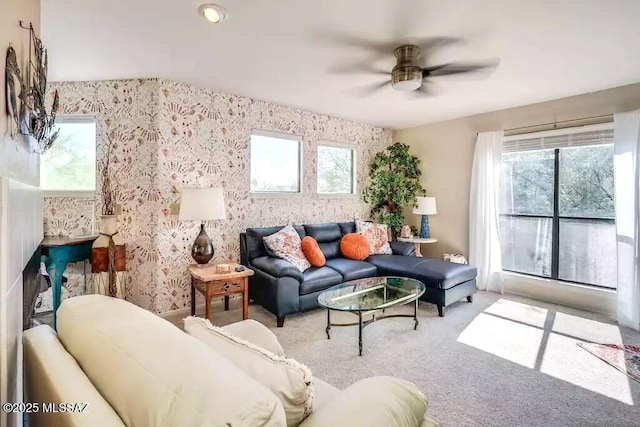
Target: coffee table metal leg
(415, 315)
(360, 333)
(328, 324)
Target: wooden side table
(417, 241)
(212, 284)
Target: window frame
(79, 194)
(279, 194)
(354, 175)
(555, 228)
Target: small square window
(336, 167)
(275, 163)
(70, 164)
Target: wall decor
(12, 73)
(30, 116)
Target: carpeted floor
(501, 361)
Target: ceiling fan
(409, 74)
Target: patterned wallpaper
(171, 135)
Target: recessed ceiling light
(213, 13)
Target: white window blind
(561, 138)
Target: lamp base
(425, 233)
(202, 249)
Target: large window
(275, 163)
(336, 166)
(556, 207)
(70, 164)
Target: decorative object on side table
(426, 206)
(209, 283)
(406, 231)
(201, 204)
(108, 253)
(395, 182)
(31, 117)
(417, 241)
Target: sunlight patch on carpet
(495, 335)
(563, 359)
(547, 341)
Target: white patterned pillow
(286, 244)
(288, 379)
(457, 258)
(377, 236)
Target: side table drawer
(229, 286)
(220, 287)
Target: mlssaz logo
(65, 407)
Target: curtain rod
(606, 118)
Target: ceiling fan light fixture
(407, 85)
(406, 78)
(213, 13)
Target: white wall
(20, 212)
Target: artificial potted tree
(108, 253)
(393, 186)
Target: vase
(108, 259)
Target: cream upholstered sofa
(134, 368)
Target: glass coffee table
(367, 296)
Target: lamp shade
(200, 204)
(426, 206)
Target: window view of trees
(335, 170)
(70, 164)
(585, 238)
(275, 164)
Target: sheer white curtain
(626, 165)
(484, 243)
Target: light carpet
(501, 361)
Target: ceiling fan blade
(357, 68)
(367, 90)
(429, 44)
(372, 46)
(458, 68)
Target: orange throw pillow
(354, 246)
(312, 251)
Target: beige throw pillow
(373, 402)
(256, 333)
(377, 236)
(286, 244)
(290, 381)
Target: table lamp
(202, 204)
(426, 206)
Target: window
(70, 164)
(275, 163)
(336, 166)
(556, 206)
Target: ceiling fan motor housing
(407, 74)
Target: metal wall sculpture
(27, 108)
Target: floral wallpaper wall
(171, 135)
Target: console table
(417, 241)
(58, 252)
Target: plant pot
(108, 259)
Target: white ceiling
(283, 50)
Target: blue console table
(57, 253)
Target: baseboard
(588, 298)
